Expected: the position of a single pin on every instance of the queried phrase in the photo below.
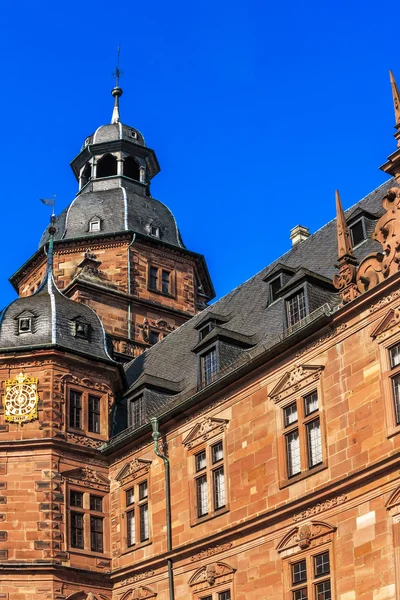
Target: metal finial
(117, 91)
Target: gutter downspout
(129, 287)
(156, 436)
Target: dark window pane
(274, 288)
(77, 540)
(299, 572)
(296, 308)
(357, 233)
(76, 499)
(202, 496)
(310, 403)
(293, 453)
(396, 397)
(290, 414)
(130, 496)
(200, 461)
(209, 366)
(75, 409)
(137, 412)
(219, 488)
(300, 594)
(96, 503)
(153, 277)
(314, 443)
(217, 453)
(94, 414)
(130, 528)
(165, 282)
(143, 490)
(144, 522)
(224, 595)
(395, 356)
(321, 564)
(96, 534)
(323, 590)
(206, 330)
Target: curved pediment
(306, 535)
(211, 573)
(394, 499)
(140, 593)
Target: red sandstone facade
(334, 527)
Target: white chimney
(298, 234)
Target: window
(94, 414)
(302, 435)
(296, 308)
(94, 225)
(81, 329)
(209, 480)
(310, 578)
(106, 166)
(24, 325)
(225, 595)
(160, 280)
(206, 330)
(154, 337)
(394, 356)
(137, 514)
(86, 411)
(133, 134)
(75, 409)
(131, 168)
(137, 413)
(154, 231)
(86, 521)
(357, 232)
(274, 287)
(209, 366)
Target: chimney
(298, 234)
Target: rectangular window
(137, 412)
(274, 288)
(394, 356)
(302, 435)
(165, 276)
(76, 499)
(296, 308)
(153, 278)
(138, 513)
(209, 480)
(206, 330)
(77, 539)
(219, 488)
(310, 578)
(96, 503)
(94, 414)
(209, 366)
(224, 595)
(96, 534)
(202, 496)
(357, 233)
(75, 409)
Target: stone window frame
(135, 507)
(87, 512)
(85, 393)
(172, 279)
(293, 387)
(311, 582)
(203, 437)
(130, 476)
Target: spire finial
(396, 98)
(343, 235)
(52, 231)
(345, 281)
(117, 91)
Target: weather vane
(50, 202)
(118, 72)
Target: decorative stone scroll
(292, 381)
(136, 468)
(378, 266)
(87, 477)
(307, 535)
(202, 431)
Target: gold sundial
(20, 399)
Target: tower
(118, 249)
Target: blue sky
(257, 111)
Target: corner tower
(118, 249)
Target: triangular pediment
(295, 379)
(25, 314)
(88, 477)
(133, 469)
(203, 430)
(386, 325)
(211, 573)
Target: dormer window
(24, 325)
(95, 225)
(206, 330)
(209, 366)
(296, 308)
(154, 231)
(81, 329)
(357, 232)
(133, 134)
(274, 287)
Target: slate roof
(53, 323)
(247, 306)
(115, 131)
(120, 209)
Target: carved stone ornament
(21, 399)
(136, 468)
(210, 574)
(139, 594)
(377, 267)
(345, 280)
(292, 381)
(204, 430)
(394, 499)
(88, 477)
(306, 535)
(388, 324)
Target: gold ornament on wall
(21, 399)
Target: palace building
(154, 446)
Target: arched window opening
(131, 168)
(107, 166)
(86, 174)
